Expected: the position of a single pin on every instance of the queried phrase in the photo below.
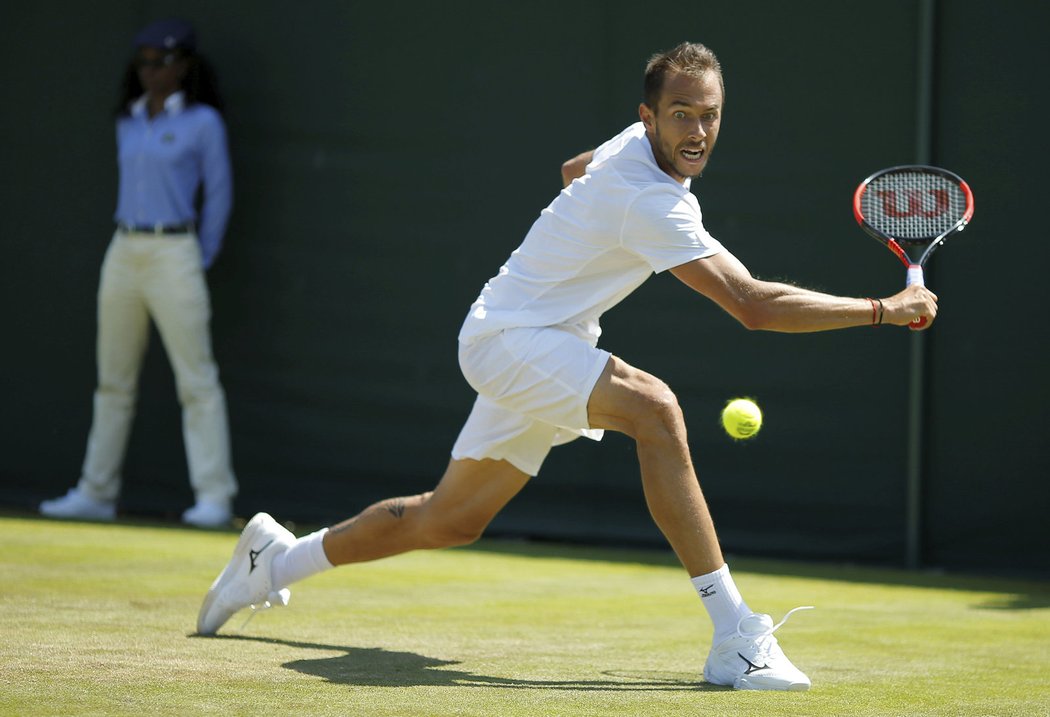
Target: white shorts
(533, 386)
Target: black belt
(157, 228)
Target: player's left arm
(576, 167)
(775, 306)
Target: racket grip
(915, 278)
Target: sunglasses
(156, 63)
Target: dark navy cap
(167, 35)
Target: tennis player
(528, 347)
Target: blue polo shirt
(164, 159)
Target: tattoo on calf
(396, 507)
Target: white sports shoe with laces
(752, 659)
(246, 581)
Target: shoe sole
(757, 684)
(240, 554)
(59, 514)
(86, 518)
(790, 687)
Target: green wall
(388, 158)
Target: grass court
(99, 620)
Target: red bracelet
(874, 311)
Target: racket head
(913, 205)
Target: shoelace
(278, 598)
(765, 632)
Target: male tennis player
(528, 347)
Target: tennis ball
(742, 418)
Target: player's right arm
(575, 167)
(775, 306)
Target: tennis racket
(913, 208)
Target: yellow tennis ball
(742, 418)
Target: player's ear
(647, 116)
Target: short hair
(688, 58)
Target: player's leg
(633, 402)
(456, 512)
(744, 652)
(494, 456)
(268, 557)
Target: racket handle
(914, 275)
(915, 278)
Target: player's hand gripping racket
(916, 207)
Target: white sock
(305, 557)
(722, 600)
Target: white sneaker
(246, 581)
(752, 659)
(208, 514)
(75, 504)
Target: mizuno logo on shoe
(751, 666)
(254, 554)
(707, 591)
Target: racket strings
(913, 206)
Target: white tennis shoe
(752, 659)
(247, 580)
(208, 514)
(75, 504)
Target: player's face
(683, 126)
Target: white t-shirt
(598, 241)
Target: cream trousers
(146, 276)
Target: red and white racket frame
(914, 274)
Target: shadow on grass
(377, 667)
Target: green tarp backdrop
(389, 156)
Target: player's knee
(662, 415)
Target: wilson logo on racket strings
(915, 202)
